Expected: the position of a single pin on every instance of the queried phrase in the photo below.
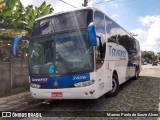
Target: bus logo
(79, 78)
(116, 52)
(55, 84)
(51, 69)
(40, 80)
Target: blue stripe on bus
(62, 81)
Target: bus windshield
(67, 52)
(63, 22)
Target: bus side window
(104, 50)
(100, 30)
(100, 55)
(99, 61)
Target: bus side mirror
(14, 45)
(92, 34)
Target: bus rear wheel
(115, 86)
(136, 74)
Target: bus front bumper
(88, 92)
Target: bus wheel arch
(115, 85)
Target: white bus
(80, 54)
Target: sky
(140, 17)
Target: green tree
(15, 18)
(148, 56)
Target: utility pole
(85, 3)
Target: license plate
(57, 94)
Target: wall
(13, 76)
(5, 77)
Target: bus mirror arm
(16, 40)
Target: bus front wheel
(115, 86)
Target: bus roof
(52, 14)
(76, 9)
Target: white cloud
(150, 38)
(154, 31)
(148, 20)
(141, 35)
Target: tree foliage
(149, 56)
(15, 16)
(14, 19)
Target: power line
(103, 1)
(67, 3)
(78, 2)
(106, 2)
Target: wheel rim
(114, 85)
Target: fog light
(35, 86)
(83, 84)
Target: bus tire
(115, 86)
(136, 74)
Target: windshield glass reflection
(67, 52)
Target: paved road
(134, 95)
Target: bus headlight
(83, 84)
(35, 86)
